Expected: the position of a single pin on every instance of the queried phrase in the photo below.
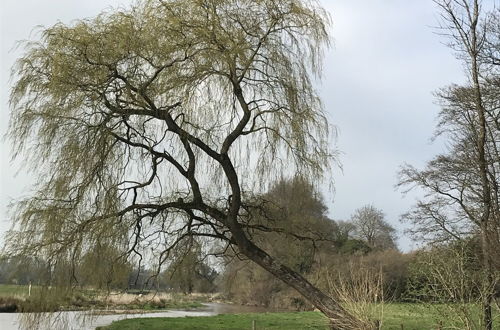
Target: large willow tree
(153, 124)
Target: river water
(89, 321)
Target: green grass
(431, 316)
(411, 316)
(268, 321)
(7, 290)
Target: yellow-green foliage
(90, 100)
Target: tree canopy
(370, 226)
(132, 114)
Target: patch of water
(89, 321)
(80, 320)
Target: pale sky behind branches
(377, 88)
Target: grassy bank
(14, 298)
(11, 290)
(394, 317)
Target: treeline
(105, 269)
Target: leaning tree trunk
(340, 318)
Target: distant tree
(142, 278)
(23, 270)
(370, 226)
(298, 224)
(188, 270)
(345, 230)
(103, 267)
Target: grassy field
(15, 290)
(410, 316)
(271, 321)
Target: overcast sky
(377, 89)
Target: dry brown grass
(360, 291)
(127, 298)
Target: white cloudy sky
(377, 89)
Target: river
(89, 321)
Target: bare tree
(162, 120)
(462, 185)
(370, 226)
